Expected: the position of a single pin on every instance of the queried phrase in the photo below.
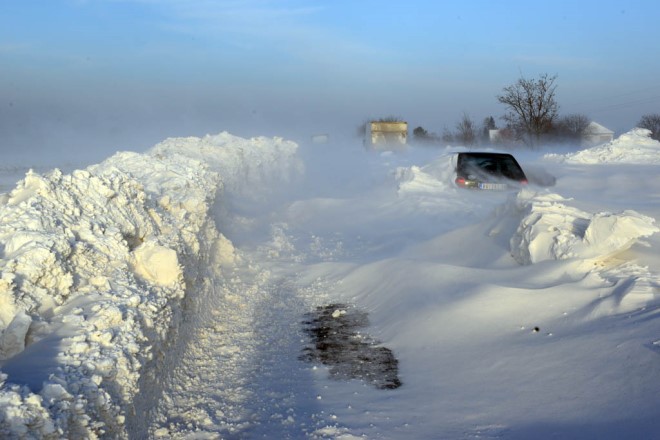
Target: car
(488, 171)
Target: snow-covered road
(238, 377)
(164, 295)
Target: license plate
(492, 186)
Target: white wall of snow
(98, 269)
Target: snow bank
(633, 147)
(434, 177)
(247, 166)
(98, 270)
(552, 230)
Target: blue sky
(124, 74)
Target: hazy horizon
(96, 76)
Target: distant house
(494, 135)
(501, 136)
(596, 134)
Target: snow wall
(98, 270)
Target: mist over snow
(633, 147)
(166, 294)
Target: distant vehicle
(386, 135)
(489, 171)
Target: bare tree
(531, 105)
(466, 132)
(361, 129)
(571, 127)
(447, 137)
(651, 122)
(421, 135)
(391, 118)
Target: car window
(493, 164)
(510, 169)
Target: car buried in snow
(488, 171)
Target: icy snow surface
(162, 295)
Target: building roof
(596, 128)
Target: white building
(596, 134)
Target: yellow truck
(386, 135)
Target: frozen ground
(169, 295)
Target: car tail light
(460, 181)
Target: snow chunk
(156, 264)
(432, 178)
(337, 313)
(552, 230)
(12, 339)
(633, 147)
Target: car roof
(484, 154)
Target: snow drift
(633, 147)
(102, 271)
(98, 270)
(550, 229)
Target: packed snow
(164, 294)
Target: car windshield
(491, 164)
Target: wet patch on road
(336, 341)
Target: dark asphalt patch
(337, 342)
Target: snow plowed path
(241, 377)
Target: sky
(85, 77)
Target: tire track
(241, 376)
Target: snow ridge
(633, 147)
(98, 270)
(552, 230)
